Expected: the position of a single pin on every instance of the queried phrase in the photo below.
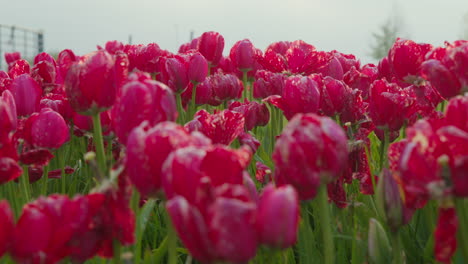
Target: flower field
(134, 154)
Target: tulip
(304, 59)
(90, 83)
(44, 73)
(142, 100)
(441, 78)
(65, 60)
(334, 96)
(300, 95)
(211, 45)
(177, 73)
(445, 235)
(310, 151)
(5, 81)
(147, 149)
(46, 129)
(9, 169)
(114, 46)
(222, 127)
(389, 105)
(59, 103)
(27, 94)
(8, 118)
(278, 203)
(18, 68)
(268, 83)
(6, 226)
(197, 67)
(361, 78)
(243, 55)
(405, 58)
(249, 140)
(262, 171)
(11, 57)
(255, 114)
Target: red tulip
(9, 169)
(208, 168)
(44, 73)
(27, 94)
(142, 100)
(262, 171)
(310, 151)
(243, 55)
(59, 103)
(177, 74)
(38, 157)
(186, 47)
(222, 231)
(441, 78)
(65, 60)
(278, 203)
(361, 78)
(457, 60)
(268, 83)
(114, 46)
(91, 83)
(389, 105)
(255, 114)
(334, 96)
(405, 58)
(445, 235)
(247, 139)
(300, 95)
(222, 127)
(197, 67)
(211, 45)
(8, 118)
(304, 59)
(147, 149)
(18, 68)
(11, 57)
(6, 226)
(46, 129)
(5, 81)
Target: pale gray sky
(344, 25)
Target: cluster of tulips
(288, 155)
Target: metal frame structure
(28, 42)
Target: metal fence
(28, 42)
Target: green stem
(117, 252)
(193, 106)
(396, 248)
(45, 178)
(244, 82)
(325, 223)
(384, 149)
(462, 213)
(172, 243)
(98, 143)
(61, 161)
(24, 182)
(180, 109)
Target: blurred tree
(384, 39)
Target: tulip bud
(11, 57)
(91, 83)
(310, 151)
(389, 200)
(211, 45)
(278, 203)
(405, 58)
(177, 73)
(301, 94)
(255, 114)
(142, 100)
(378, 243)
(197, 68)
(8, 118)
(46, 129)
(268, 83)
(27, 94)
(243, 55)
(18, 68)
(222, 127)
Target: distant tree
(384, 39)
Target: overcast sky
(344, 25)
